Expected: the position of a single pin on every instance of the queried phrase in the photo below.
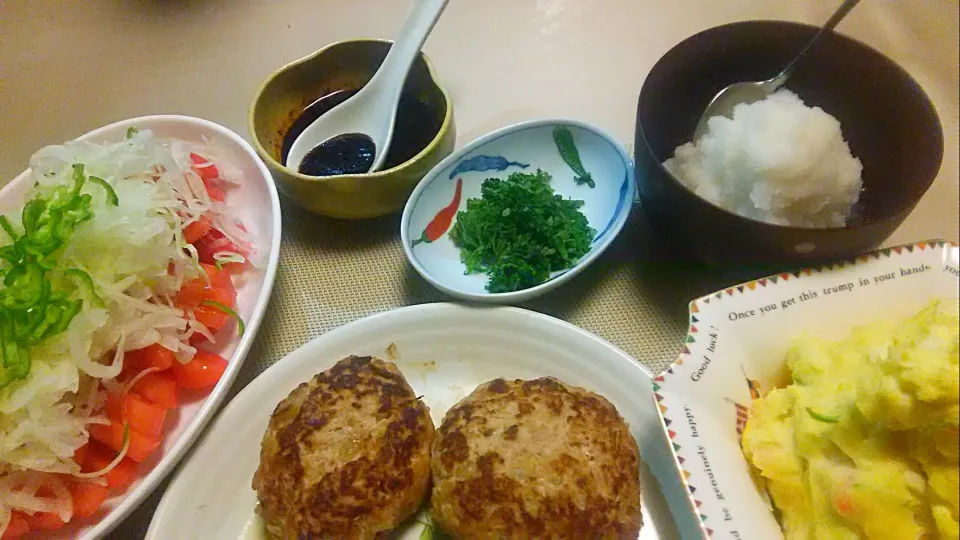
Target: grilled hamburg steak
(346, 455)
(535, 459)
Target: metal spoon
(372, 111)
(749, 92)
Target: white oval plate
(256, 200)
(444, 350)
(523, 147)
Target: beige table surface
(68, 67)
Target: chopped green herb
(520, 231)
(131, 131)
(822, 417)
(568, 151)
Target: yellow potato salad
(865, 440)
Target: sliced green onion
(32, 212)
(7, 228)
(822, 417)
(88, 284)
(217, 305)
(30, 311)
(131, 131)
(78, 178)
(10, 254)
(70, 310)
(16, 361)
(23, 287)
(112, 198)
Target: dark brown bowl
(887, 119)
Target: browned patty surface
(535, 459)
(346, 455)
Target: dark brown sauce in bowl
(416, 125)
(350, 153)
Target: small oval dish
(584, 164)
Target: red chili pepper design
(441, 222)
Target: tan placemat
(334, 272)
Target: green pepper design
(568, 151)
(30, 309)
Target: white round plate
(257, 202)
(523, 147)
(444, 350)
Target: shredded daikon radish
(134, 258)
(132, 382)
(226, 257)
(116, 461)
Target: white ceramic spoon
(372, 111)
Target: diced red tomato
(211, 317)
(87, 498)
(191, 293)
(80, 454)
(144, 417)
(121, 476)
(203, 371)
(226, 297)
(206, 170)
(194, 293)
(219, 279)
(215, 242)
(210, 175)
(220, 289)
(112, 435)
(151, 356)
(197, 229)
(17, 527)
(44, 521)
(216, 193)
(157, 388)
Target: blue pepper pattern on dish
(485, 163)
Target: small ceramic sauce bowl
(346, 65)
(523, 147)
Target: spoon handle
(831, 23)
(392, 73)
